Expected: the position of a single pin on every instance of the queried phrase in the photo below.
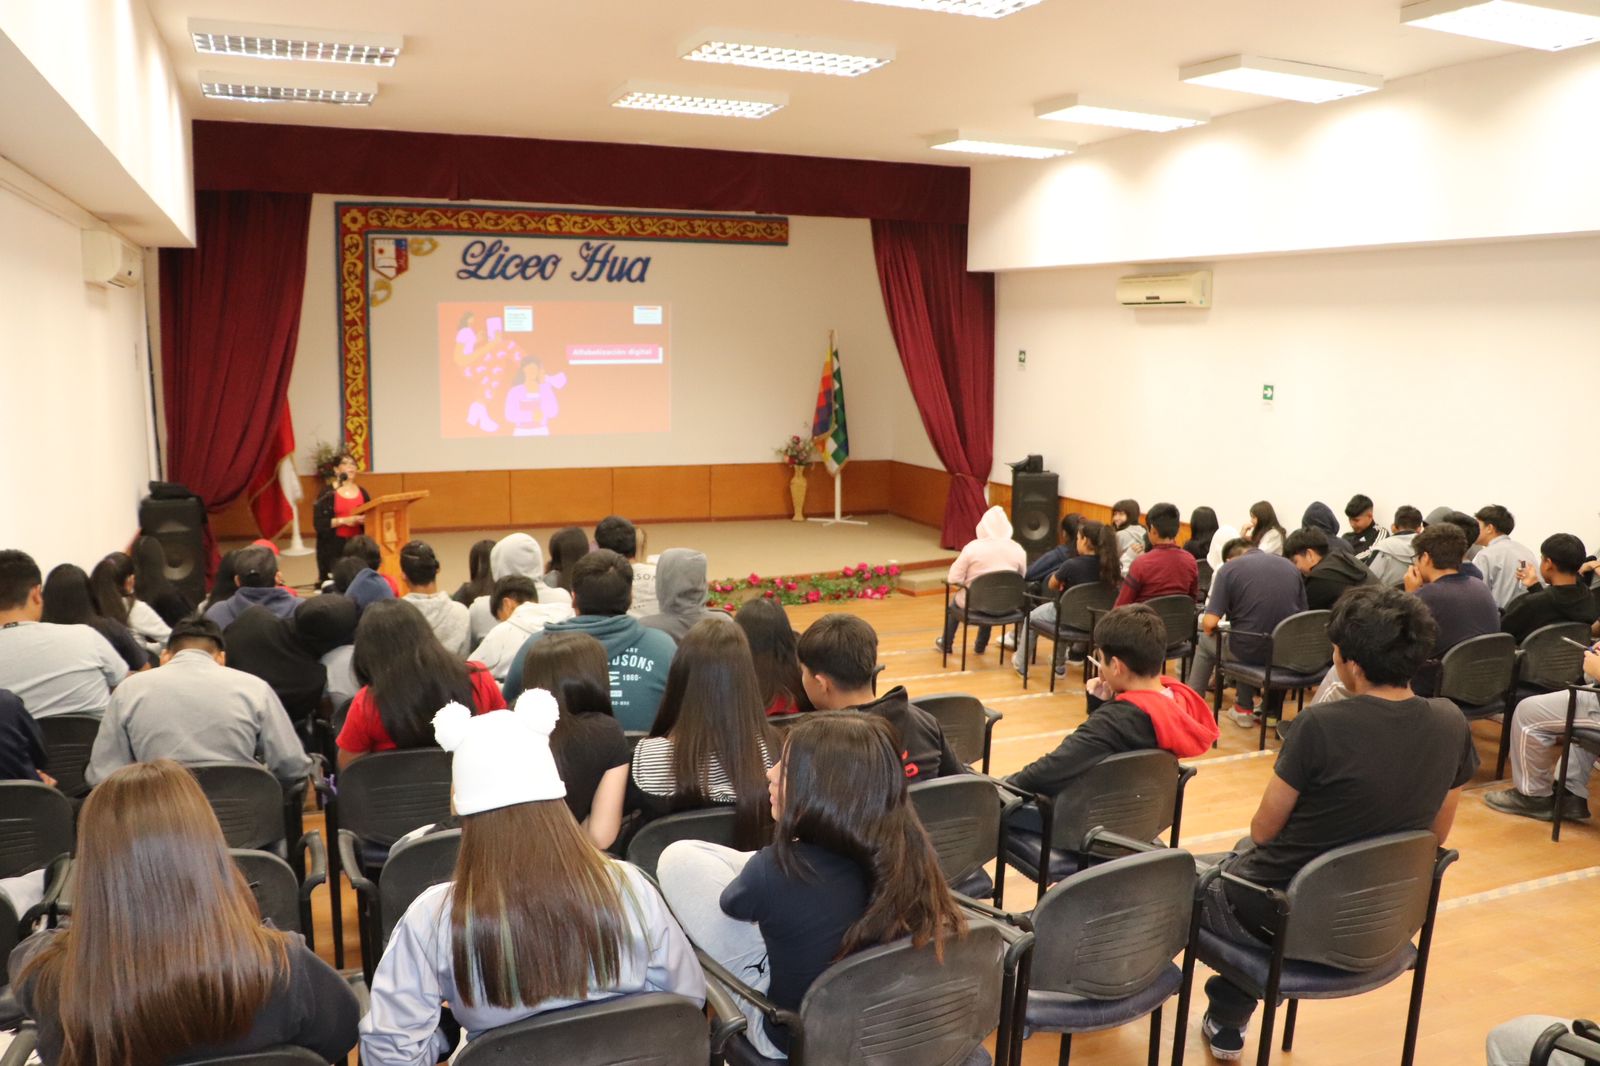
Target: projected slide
(553, 369)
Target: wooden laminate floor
(1518, 930)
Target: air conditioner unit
(110, 260)
(1192, 289)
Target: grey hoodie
(1390, 558)
(681, 593)
(516, 553)
(447, 618)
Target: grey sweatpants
(1511, 1043)
(1536, 728)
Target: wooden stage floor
(1517, 931)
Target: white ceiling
(541, 68)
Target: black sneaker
(1575, 810)
(1510, 801)
(1226, 1044)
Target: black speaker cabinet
(179, 524)
(1035, 511)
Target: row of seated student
(837, 861)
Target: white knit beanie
(501, 758)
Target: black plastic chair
(965, 819)
(998, 599)
(1136, 794)
(649, 1029)
(1545, 663)
(894, 1005)
(967, 724)
(716, 825)
(1102, 949)
(248, 801)
(280, 895)
(412, 868)
(27, 1040)
(1480, 676)
(1343, 927)
(35, 827)
(1076, 609)
(781, 722)
(1582, 1042)
(68, 740)
(1585, 735)
(1181, 616)
(1299, 656)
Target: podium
(389, 523)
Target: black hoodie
(1320, 516)
(923, 749)
(1330, 578)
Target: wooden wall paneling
(919, 493)
(463, 499)
(750, 490)
(662, 493)
(569, 497)
(867, 488)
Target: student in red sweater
(406, 675)
(1164, 570)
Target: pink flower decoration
(792, 586)
(754, 580)
(769, 594)
(880, 569)
(813, 596)
(849, 571)
(894, 571)
(883, 590)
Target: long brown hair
(773, 650)
(712, 710)
(844, 790)
(1104, 538)
(166, 950)
(536, 911)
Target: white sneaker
(1242, 718)
(1008, 641)
(1224, 1044)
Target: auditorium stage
(733, 549)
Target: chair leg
(1288, 1024)
(1505, 743)
(1261, 713)
(1155, 1037)
(1066, 1050)
(963, 640)
(1269, 1016)
(1560, 794)
(1055, 655)
(1180, 1026)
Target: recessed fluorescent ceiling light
(1282, 78)
(1550, 25)
(652, 96)
(986, 9)
(212, 37)
(216, 85)
(771, 51)
(984, 144)
(1095, 111)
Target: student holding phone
(1536, 734)
(1562, 598)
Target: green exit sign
(1266, 392)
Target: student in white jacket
(485, 942)
(515, 602)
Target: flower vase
(797, 492)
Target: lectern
(389, 523)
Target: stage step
(925, 582)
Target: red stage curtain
(230, 316)
(942, 318)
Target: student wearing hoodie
(256, 570)
(450, 620)
(993, 551)
(515, 602)
(1391, 557)
(1328, 574)
(1133, 708)
(365, 586)
(1320, 516)
(517, 553)
(639, 658)
(681, 593)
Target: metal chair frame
(1004, 586)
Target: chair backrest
(273, 884)
(782, 722)
(1548, 661)
(68, 739)
(412, 869)
(1479, 670)
(1355, 907)
(898, 1005)
(714, 824)
(1074, 607)
(10, 920)
(384, 796)
(1179, 615)
(650, 1029)
(35, 826)
(1300, 643)
(1109, 931)
(278, 1056)
(1134, 793)
(962, 816)
(632, 737)
(247, 800)
(997, 592)
(962, 720)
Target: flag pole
(838, 518)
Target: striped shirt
(652, 771)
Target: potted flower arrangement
(798, 453)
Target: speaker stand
(838, 519)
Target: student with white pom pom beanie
(535, 918)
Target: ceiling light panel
(216, 85)
(213, 37)
(769, 51)
(1098, 111)
(987, 9)
(684, 100)
(1549, 25)
(970, 143)
(1283, 78)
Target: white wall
(74, 382)
(749, 329)
(1458, 375)
(1502, 148)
